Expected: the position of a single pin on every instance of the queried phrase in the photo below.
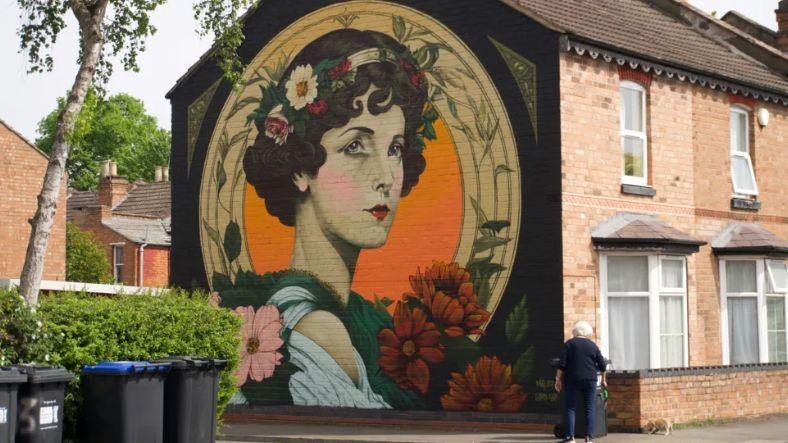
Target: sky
(26, 98)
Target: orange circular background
(427, 227)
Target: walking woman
(580, 362)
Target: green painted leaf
(497, 225)
(452, 107)
(500, 169)
(517, 322)
(220, 282)
(480, 215)
(221, 176)
(486, 242)
(399, 27)
(242, 104)
(523, 368)
(232, 241)
(212, 233)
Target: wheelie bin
(190, 396)
(123, 402)
(10, 380)
(40, 404)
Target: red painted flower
(447, 292)
(406, 350)
(417, 78)
(406, 66)
(485, 387)
(317, 108)
(339, 70)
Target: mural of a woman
(340, 142)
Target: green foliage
(24, 338)
(87, 329)
(114, 128)
(517, 322)
(220, 19)
(86, 260)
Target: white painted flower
(301, 88)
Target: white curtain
(627, 274)
(673, 274)
(740, 276)
(671, 326)
(629, 332)
(775, 307)
(743, 329)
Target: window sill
(745, 203)
(645, 191)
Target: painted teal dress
(309, 376)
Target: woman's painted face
(356, 192)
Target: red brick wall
(157, 258)
(689, 167)
(22, 170)
(156, 269)
(706, 394)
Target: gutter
(142, 263)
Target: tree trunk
(90, 22)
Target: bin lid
(11, 375)
(193, 362)
(45, 374)
(125, 367)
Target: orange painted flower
(485, 387)
(406, 350)
(447, 292)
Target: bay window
(644, 310)
(753, 307)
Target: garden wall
(691, 395)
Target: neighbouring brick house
(22, 169)
(650, 144)
(132, 221)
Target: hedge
(86, 329)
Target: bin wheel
(558, 431)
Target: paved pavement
(772, 430)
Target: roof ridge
(668, 6)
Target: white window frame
(761, 295)
(643, 136)
(115, 264)
(745, 155)
(654, 293)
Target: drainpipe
(142, 263)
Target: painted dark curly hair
(270, 168)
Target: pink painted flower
(277, 126)
(259, 343)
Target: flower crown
(286, 108)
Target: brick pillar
(782, 26)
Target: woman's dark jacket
(581, 360)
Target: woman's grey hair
(582, 329)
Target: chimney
(112, 189)
(782, 26)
